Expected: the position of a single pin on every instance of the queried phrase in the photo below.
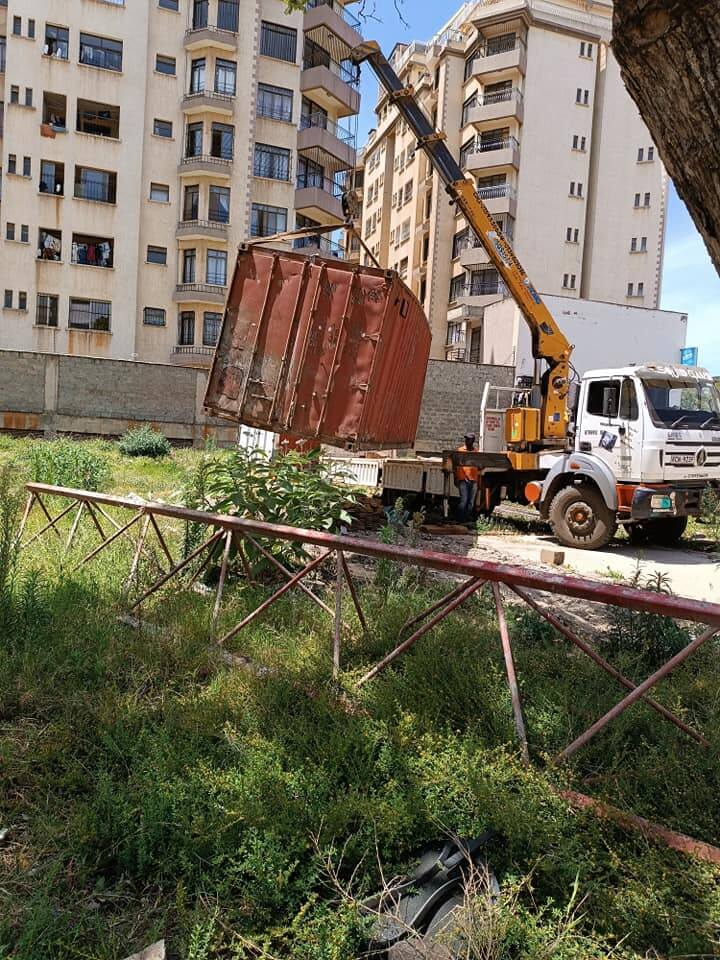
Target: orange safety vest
(466, 472)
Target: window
(22, 300)
(274, 102)
(154, 317)
(271, 162)
(216, 271)
(211, 328)
(17, 26)
(455, 332)
(586, 50)
(467, 107)
(228, 15)
(641, 155)
(57, 42)
(583, 141)
(465, 150)
(97, 185)
(643, 244)
(476, 345)
(641, 289)
(278, 41)
(628, 401)
(27, 168)
(92, 251)
(28, 97)
(647, 200)
(189, 261)
(219, 208)
(630, 289)
(222, 136)
(89, 314)
(566, 280)
(572, 235)
(49, 245)
(651, 154)
(637, 199)
(582, 97)
(31, 29)
(226, 77)
(101, 52)
(191, 202)
(194, 140)
(160, 192)
(9, 231)
(267, 220)
(186, 328)
(597, 392)
(197, 76)
(52, 177)
(460, 241)
(8, 301)
(14, 94)
(469, 67)
(169, 5)
(12, 163)
(46, 310)
(165, 65)
(457, 287)
(99, 119)
(403, 271)
(157, 255)
(200, 14)
(408, 191)
(633, 245)
(24, 233)
(162, 128)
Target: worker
(466, 479)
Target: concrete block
(554, 557)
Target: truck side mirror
(610, 402)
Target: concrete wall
(46, 394)
(451, 401)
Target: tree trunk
(669, 54)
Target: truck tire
(580, 518)
(665, 531)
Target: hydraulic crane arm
(548, 341)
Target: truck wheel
(580, 518)
(665, 531)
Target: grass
(149, 791)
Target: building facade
(531, 102)
(141, 143)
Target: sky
(690, 282)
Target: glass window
(278, 41)
(8, 301)
(154, 317)
(460, 242)
(22, 300)
(17, 26)
(219, 207)
(46, 312)
(57, 41)
(688, 403)
(160, 192)
(189, 261)
(457, 287)
(268, 220)
(97, 185)
(191, 202)
(211, 328)
(89, 314)
(186, 328)
(274, 102)
(14, 94)
(101, 52)
(271, 162)
(221, 141)
(165, 65)
(24, 233)
(100, 119)
(169, 5)
(628, 400)
(200, 14)
(52, 177)
(9, 231)
(228, 15)
(197, 75)
(454, 333)
(162, 128)
(194, 140)
(225, 77)
(157, 255)
(31, 29)
(217, 267)
(12, 163)
(27, 167)
(597, 393)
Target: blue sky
(690, 282)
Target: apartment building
(532, 105)
(141, 143)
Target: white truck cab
(646, 445)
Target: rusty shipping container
(320, 349)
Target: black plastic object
(423, 903)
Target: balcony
(491, 107)
(478, 293)
(207, 165)
(330, 25)
(319, 135)
(473, 254)
(488, 154)
(199, 293)
(199, 37)
(331, 84)
(192, 356)
(202, 230)
(500, 198)
(497, 55)
(319, 198)
(204, 100)
(322, 245)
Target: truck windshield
(687, 404)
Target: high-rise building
(530, 100)
(141, 142)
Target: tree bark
(669, 55)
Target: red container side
(320, 349)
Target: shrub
(144, 442)
(68, 463)
(710, 507)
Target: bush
(144, 442)
(68, 463)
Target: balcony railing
(320, 182)
(227, 98)
(322, 244)
(324, 123)
(220, 225)
(95, 191)
(492, 286)
(483, 146)
(496, 191)
(339, 8)
(220, 31)
(496, 45)
(201, 288)
(499, 96)
(315, 56)
(206, 158)
(189, 349)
